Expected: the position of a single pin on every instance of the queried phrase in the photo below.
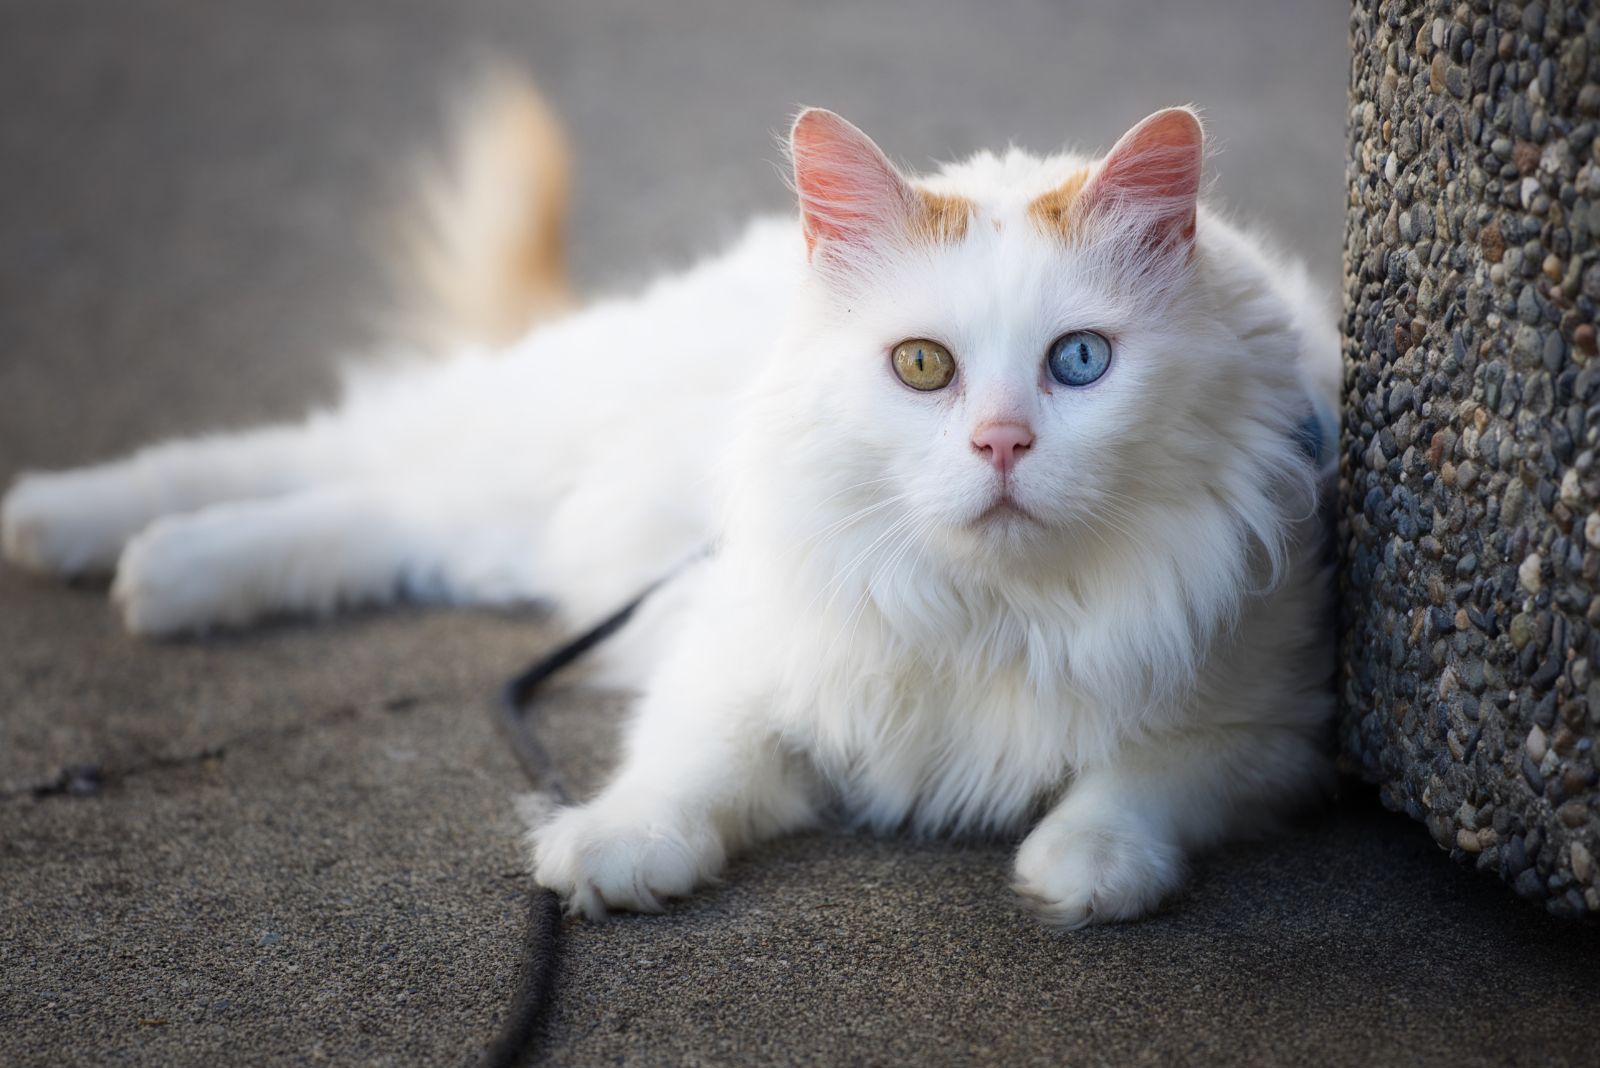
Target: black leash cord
(542, 943)
(514, 1043)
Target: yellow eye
(923, 364)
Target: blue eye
(1078, 358)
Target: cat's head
(1015, 360)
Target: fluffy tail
(488, 251)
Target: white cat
(1013, 474)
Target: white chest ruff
(934, 750)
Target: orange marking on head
(1053, 211)
(943, 216)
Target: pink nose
(1002, 444)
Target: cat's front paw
(598, 858)
(66, 524)
(1074, 872)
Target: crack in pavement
(89, 778)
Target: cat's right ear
(850, 194)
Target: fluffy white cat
(1013, 474)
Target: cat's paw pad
(1076, 873)
(176, 578)
(62, 525)
(598, 860)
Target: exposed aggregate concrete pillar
(1470, 458)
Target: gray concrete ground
(303, 846)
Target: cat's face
(1010, 352)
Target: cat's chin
(1003, 511)
(1003, 528)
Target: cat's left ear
(850, 193)
(1151, 178)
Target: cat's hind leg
(317, 551)
(77, 522)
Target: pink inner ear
(848, 189)
(1154, 171)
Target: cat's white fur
(1136, 670)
